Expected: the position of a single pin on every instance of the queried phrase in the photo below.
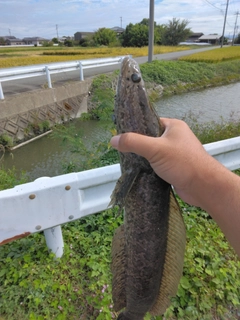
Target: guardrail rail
(53, 68)
(46, 203)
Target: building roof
(84, 32)
(117, 29)
(7, 37)
(210, 37)
(33, 38)
(196, 34)
(13, 40)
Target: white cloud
(39, 17)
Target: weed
(6, 141)
(9, 179)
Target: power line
(212, 5)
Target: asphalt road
(35, 83)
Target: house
(81, 35)
(12, 41)
(64, 38)
(118, 30)
(211, 38)
(34, 41)
(194, 37)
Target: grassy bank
(183, 76)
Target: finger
(136, 143)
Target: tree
(104, 36)
(145, 22)
(55, 40)
(175, 32)
(158, 33)
(68, 42)
(237, 39)
(135, 35)
(2, 41)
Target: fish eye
(135, 77)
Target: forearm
(217, 191)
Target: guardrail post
(48, 77)
(81, 71)
(54, 240)
(1, 92)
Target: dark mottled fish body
(148, 250)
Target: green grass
(181, 76)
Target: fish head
(133, 112)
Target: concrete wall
(55, 105)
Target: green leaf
(185, 283)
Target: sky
(49, 18)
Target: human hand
(177, 156)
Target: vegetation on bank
(35, 286)
(181, 76)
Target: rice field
(22, 56)
(216, 55)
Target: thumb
(142, 145)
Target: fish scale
(148, 249)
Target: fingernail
(114, 141)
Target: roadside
(36, 83)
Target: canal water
(207, 105)
(47, 156)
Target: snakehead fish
(148, 249)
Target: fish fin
(174, 258)
(122, 188)
(118, 269)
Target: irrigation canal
(48, 155)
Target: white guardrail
(46, 203)
(40, 70)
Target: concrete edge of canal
(21, 112)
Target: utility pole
(224, 24)
(9, 30)
(151, 31)
(57, 30)
(121, 21)
(235, 27)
